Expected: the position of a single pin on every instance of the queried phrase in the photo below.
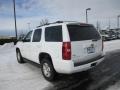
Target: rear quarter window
(53, 34)
(78, 32)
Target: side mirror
(23, 40)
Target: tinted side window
(28, 37)
(78, 33)
(53, 33)
(37, 35)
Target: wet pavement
(98, 78)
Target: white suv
(62, 47)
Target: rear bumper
(88, 61)
(69, 67)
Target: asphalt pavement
(98, 78)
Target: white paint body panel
(31, 51)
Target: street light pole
(15, 18)
(118, 21)
(87, 14)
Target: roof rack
(64, 21)
(50, 23)
(55, 23)
(42, 25)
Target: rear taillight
(102, 45)
(66, 51)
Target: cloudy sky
(32, 11)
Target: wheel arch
(17, 49)
(45, 55)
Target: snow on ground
(111, 45)
(7, 45)
(14, 76)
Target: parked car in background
(62, 47)
(105, 35)
(118, 35)
(113, 34)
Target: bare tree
(21, 35)
(44, 22)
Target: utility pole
(15, 19)
(87, 14)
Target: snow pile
(7, 45)
(111, 45)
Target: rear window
(78, 32)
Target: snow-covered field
(14, 76)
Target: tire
(47, 69)
(19, 57)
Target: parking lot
(14, 76)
